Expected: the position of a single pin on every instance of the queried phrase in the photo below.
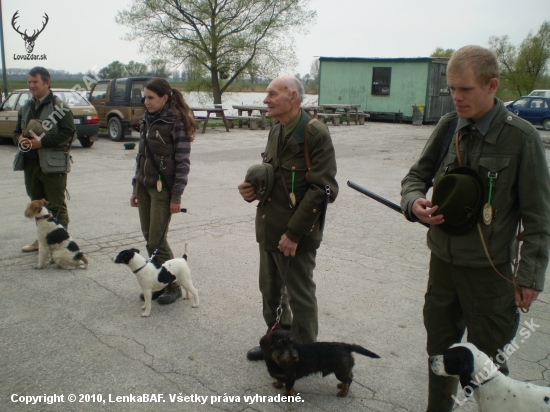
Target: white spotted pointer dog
(152, 278)
(493, 391)
(54, 240)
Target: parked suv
(119, 105)
(533, 109)
(84, 114)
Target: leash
(522, 306)
(279, 310)
(183, 210)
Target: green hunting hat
(36, 127)
(460, 195)
(262, 178)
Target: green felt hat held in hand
(460, 195)
(262, 178)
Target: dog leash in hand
(183, 210)
(280, 307)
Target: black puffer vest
(161, 145)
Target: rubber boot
(441, 390)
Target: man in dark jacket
(57, 119)
(464, 290)
(288, 222)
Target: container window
(381, 80)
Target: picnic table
(249, 109)
(209, 110)
(312, 110)
(347, 108)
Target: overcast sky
(83, 34)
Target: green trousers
(460, 298)
(154, 217)
(49, 186)
(299, 296)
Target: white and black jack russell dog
(493, 391)
(54, 240)
(152, 278)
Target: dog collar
(487, 381)
(138, 269)
(43, 217)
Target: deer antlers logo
(29, 40)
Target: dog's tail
(80, 256)
(361, 350)
(186, 252)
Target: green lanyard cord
(292, 187)
(490, 190)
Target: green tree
(441, 52)
(224, 36)
(523, 67)
(136, 69)
(158, 68)
(113, 70)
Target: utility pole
(4, 74)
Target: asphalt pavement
(75, 340)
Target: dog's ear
(43, 202)
(265, 344)
(460, 361)
(135, 250)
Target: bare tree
(314, 71)
(224, 36)
(524, 65)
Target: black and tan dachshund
(288, 361)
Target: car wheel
(546, 124)
(116, 132)
(86, 141)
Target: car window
(522, 102)
(538, 104)
(9, 104)
(120, 89)
(22, 100)
(71, 98)
(100, 91)
(536, 94)
(137, 92)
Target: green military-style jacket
(512, 150)
(300, 223)
(62, 126)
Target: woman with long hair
(162, 166)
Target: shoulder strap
(306, 148)
(443, 150)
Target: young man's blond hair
(483, 62)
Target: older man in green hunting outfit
(289, 218)
(46, 149)
(481, 142)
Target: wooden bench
(361, 117)
(335, 117)
(251, 121)
(397, 116)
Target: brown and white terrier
(54, 242)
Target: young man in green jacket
(464, 290)
(288, 220)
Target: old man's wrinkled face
(279, 100)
